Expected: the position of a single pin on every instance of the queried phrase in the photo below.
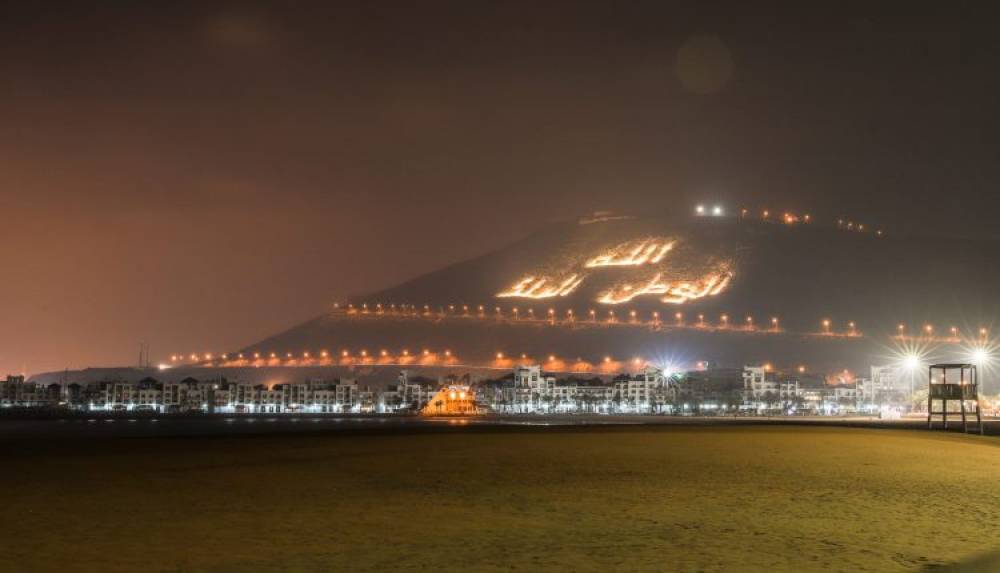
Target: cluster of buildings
(526, 390)
(190, 395)
(766, 391)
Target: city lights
(980, 356)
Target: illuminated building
(452, 400)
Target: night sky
(200, 175)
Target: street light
(980, 356)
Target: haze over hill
(801, 274)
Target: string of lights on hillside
(787, 218)
(655, 319)
(553, 317)
(907, 357)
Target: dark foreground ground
(483, 497)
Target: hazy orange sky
(200, 175)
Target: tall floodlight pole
(911, 362)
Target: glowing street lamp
(774, 322)
(701, 320)
(750, 322)
(826, 326)
(929, 329)
(725, 320)
(852, 329)
(980, 356)
(700, 209)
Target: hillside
(800, 274)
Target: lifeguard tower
(964, 390)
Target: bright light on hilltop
(716, 211)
